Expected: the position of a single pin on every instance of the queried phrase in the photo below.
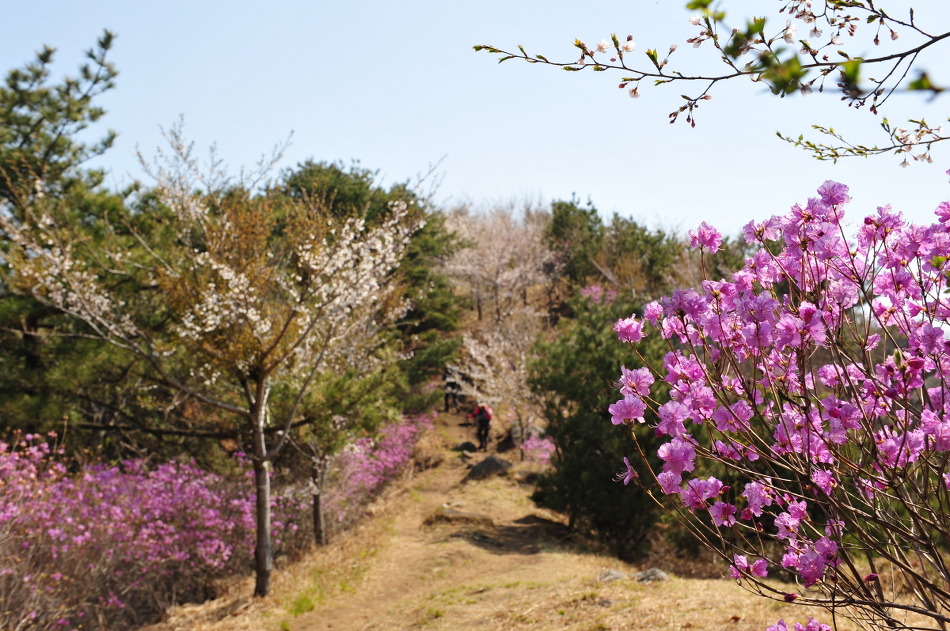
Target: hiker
(482, 415)
(450, 376)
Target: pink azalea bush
(598, 295)
(539, 450)
(367, 465)
(816, 378)
(116, 546)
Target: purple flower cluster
(811, 625)
(115, 546)
(819, 372)
(537, 449)
(364, 468)
(598, 295)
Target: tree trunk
(319, 521)
(523, 430)
(319, 472)
(263, 550)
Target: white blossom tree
(227, 294)
(496, 363)
(504, 257)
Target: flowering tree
(496, 364)
(504, 258)
(816, 377)
(832, 53)
(227, 295)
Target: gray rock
(466, 446)
(492, 465)
(649, 576)
(608, 576)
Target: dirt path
(450, 545)
(444, 554)
(480, 555)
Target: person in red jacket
(482, 415)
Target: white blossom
(789, 33)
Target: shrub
(364, 468)
(819, 375)
(116, 546)
(570, 378)
(538, 450)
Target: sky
(396, 86)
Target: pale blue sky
(397, 86)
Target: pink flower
(740, 565)
(758, 497)
(627, 409)
(678, 455)
(635, 382)
(626, 476)
(705, 237)
(672, 415)
(698, 493)
(653, 312)
(768, 230)
(833, 193)
(629, 330)
(943, 212)
(670, 482)
(824, 480)
(723, 514)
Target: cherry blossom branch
(749, 52)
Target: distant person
(450, 377)
(482, 415)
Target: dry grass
(495, 563)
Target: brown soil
(439, 553)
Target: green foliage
(345, 192)
(639, 260)
(577, 379)
(40, 121)
(347, 404)
(428, 327)
(51, 374)
(575, 234)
